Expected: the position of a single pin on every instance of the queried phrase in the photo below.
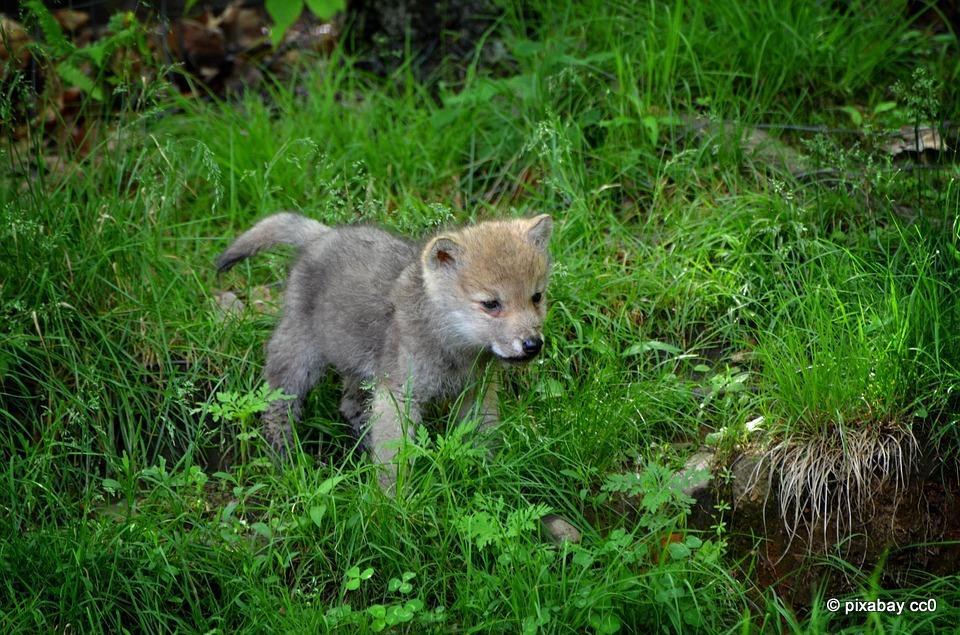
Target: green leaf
(669, 595)
(111, 485)
(692, 616)
(617, 122)
(367, 573)
(582, 559)
(398, 614)
(283, 13)
(884, 106)
(52, 33)
(263, 529)
(327, 486)
(325, 9)
(316, 514)
(651, 345)
(228, 511)
(679, 551)
(854, 115)
(606, 623)
(550, 388)
(338, 613)
(352, 584)
(75, 77)
(693, 542)
(96, 52)
(653, 128)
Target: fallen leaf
(197, 44)
(13, 43)
(915, 139)
(262, 301)
(245, 29)
(71, 20)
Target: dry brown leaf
(915, 139)
(262, 301)
(13, 42)
(196, 43)
(246, 29)
(71, 20)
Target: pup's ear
(539, 230)
(442, 252)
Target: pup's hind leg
(293, 365)
(354, 405)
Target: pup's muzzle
(531, 348)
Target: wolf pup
(415, 322)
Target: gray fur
(283, 228)
(357, 300)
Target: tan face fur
(489, 281)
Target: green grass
(695, 289)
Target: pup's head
(489, 282)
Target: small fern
(66, 58)
(76, 77)
(53, 35)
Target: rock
(750, 483)
(559, 530)
(755, 143)
(694, 479)
(228, 305)
(695, 476)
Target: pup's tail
(283, 228)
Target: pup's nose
(532, 345)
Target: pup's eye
(537, 297)
(491, 305)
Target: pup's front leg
(489, 407)
(388, 429)
(482, 401)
